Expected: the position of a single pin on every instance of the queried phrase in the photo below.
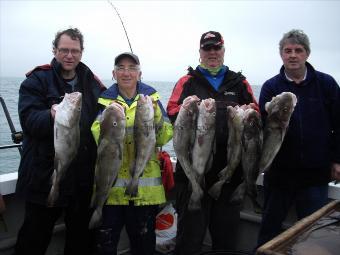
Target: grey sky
(165, 34)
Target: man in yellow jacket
(138, 213)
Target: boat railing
(8, 181)
(17, 136)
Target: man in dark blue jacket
(309, 157)
(43, 88)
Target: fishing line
(127, 37)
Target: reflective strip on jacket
(150, 188)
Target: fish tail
(239, 193)
(132, 188)
(52, 197)
(195, 200)
(252, 193)
(215, 190)
(93, 200)
(96, 218)
(54, 192)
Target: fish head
(113, 119)
(117, 109)
(252, 120)
(282, 106)
(75, 98)
(239, 114)
(231, 112)
(235, 114)
(207, 113)
(69, 110)
(209, 105)
(190, 105)
(145, 105)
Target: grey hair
(295, 36)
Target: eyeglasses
(211, 47)
(65, 51)
(130, 69)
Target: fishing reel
(17, 137)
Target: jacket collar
(310, 74)
(113, 92)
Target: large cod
(109, 157)
(66, 139)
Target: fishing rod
(127, 37)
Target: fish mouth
(75, 98)
(119, 107)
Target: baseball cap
(211, 38)
(128, 55)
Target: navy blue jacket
(312, 140)
(42, 88)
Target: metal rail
(16, 136)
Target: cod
(66, 139)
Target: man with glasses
(210, 79)
(136, 213)
(43, 89)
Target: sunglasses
(211, 47)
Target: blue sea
(9, 87)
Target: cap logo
(209, 35)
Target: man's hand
(335, 168)
(53, 110)
(187, 101)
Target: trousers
(139, 222)
(219, 216)
(279, 200)
(36, 231)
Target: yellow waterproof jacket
(150, 188)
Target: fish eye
(114, 123)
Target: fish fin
(215, 190)
(96, 218)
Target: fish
(66, 139)
(234, 149)
(184, 138)
(145, 141)
(109, 157)
(202, 148)
(279, 110)
(252, 140)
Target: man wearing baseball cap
(210, 79)
(135, 209)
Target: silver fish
(279, 110)
(252, 140)
(234, 149)
(202, 148)
(145, 141)
(66, 139)
(109, 157)
(184, 137)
